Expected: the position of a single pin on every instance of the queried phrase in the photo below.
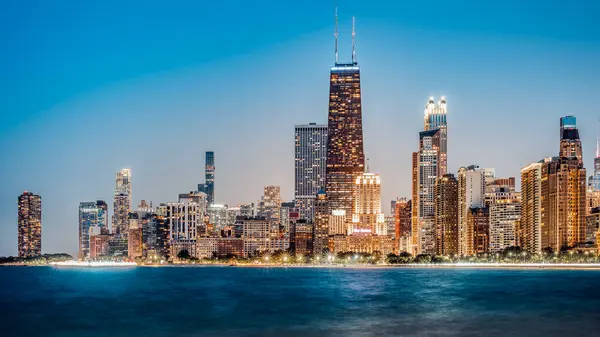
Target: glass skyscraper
(310, 157)
(92, 221)
(122, 201)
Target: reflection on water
(225, 301)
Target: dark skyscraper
(345, 156)
(210, 176)
(30, 225)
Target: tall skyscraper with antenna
(345, 156)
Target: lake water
(235, 301)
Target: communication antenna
(336, 37)
(353, 42)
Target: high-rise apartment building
(321, 222)
(505, 215)
(122, 202)
(269, 206)
(478, 231)
(29, 225)
(564, 192)
(93, 220)
(593, 190)
(367, 216)
(345, 156)
(428, 170)
(184, 218)
(446, 215)
(209, 176)
(530, 231)
(471, 194)
(310, 159)
(403, 219)
(337, 222)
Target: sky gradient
(91, 87)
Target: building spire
(336, 37)
(597, 147)
(353, 42)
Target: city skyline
(60, 202)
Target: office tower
(209, 176)
(155, 237)
(505, 215)
(570, 144)
(471, 194)
(122, 202)
(367, 216)
(321, 222)
(478, 231)
(29, 225)
(93, 220)
(270, 204)
(428, 170)
(310, 159)
(564, 192)
(403, 218)
(301, 237)
(345, 156)
(446, 215)
(435, 119)
(530, 231)
(414, 219)
(337, 223)
(134, 235)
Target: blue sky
(90, 87)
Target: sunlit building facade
(29, 225)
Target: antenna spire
(353, 42)
(336, 37)
(597, 146)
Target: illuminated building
(184, 218)
(403, 217)
(497, 189)
(256, 234)
(361, 243)
(117, 246)
(209, 178)
(93, 219)
(414, 219)
(564, 192)
(427, 173)
(99, 245)
(505, 215)
(321, 223)
(206, 247)
(446, 215)
(345, 156)
(270, 204)
(367, 216)
(310, 149)
(592, 226)
(593, 191)
(478, 231)
(155, 236)
(435, 119)
(230, 247)
(247, 210)
(121, 202)
(218, 217)
(134, 242)
(471, 194)
(337, 223)
(301, 238)
(29, 225)
(390, 225)
(530, 232)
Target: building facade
(367, 216)
(478, 231)
(403, 218)
(310, 161)
(93, 219)
(530, 232)
(29, 225)
(446, 215)
(471, 194)
(428, 171)
(122, 202)
(505, 216)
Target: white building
(471, 194)
(367, 215)
(310, 157)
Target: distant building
(337, 223)
(122, 202)
(592, 226)
(361, 243)
(301, 238)
(256, 235)
(270, 204)
(367, 216)
(183, 218)
(99, 245)
(403, 217)
(93, 219)
(155, 237)
(247, 210)
(530, 231)
(30, 225)
(428, 170)
(310, 162)
(321, 222)
(505, 216)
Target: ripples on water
(227, 301)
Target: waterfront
(228, 301)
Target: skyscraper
(310, 148)
(122, 202)
(209, 177)
(446, 215)
(93, 220)
(269, 206)
(504, 220)
(29, 225)
(435, 119)
(345, 156)
(471, 194)
(368, 216)
(478, 231)
(427, 174)
(321, 222)
(530, 231)
(564, 192)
